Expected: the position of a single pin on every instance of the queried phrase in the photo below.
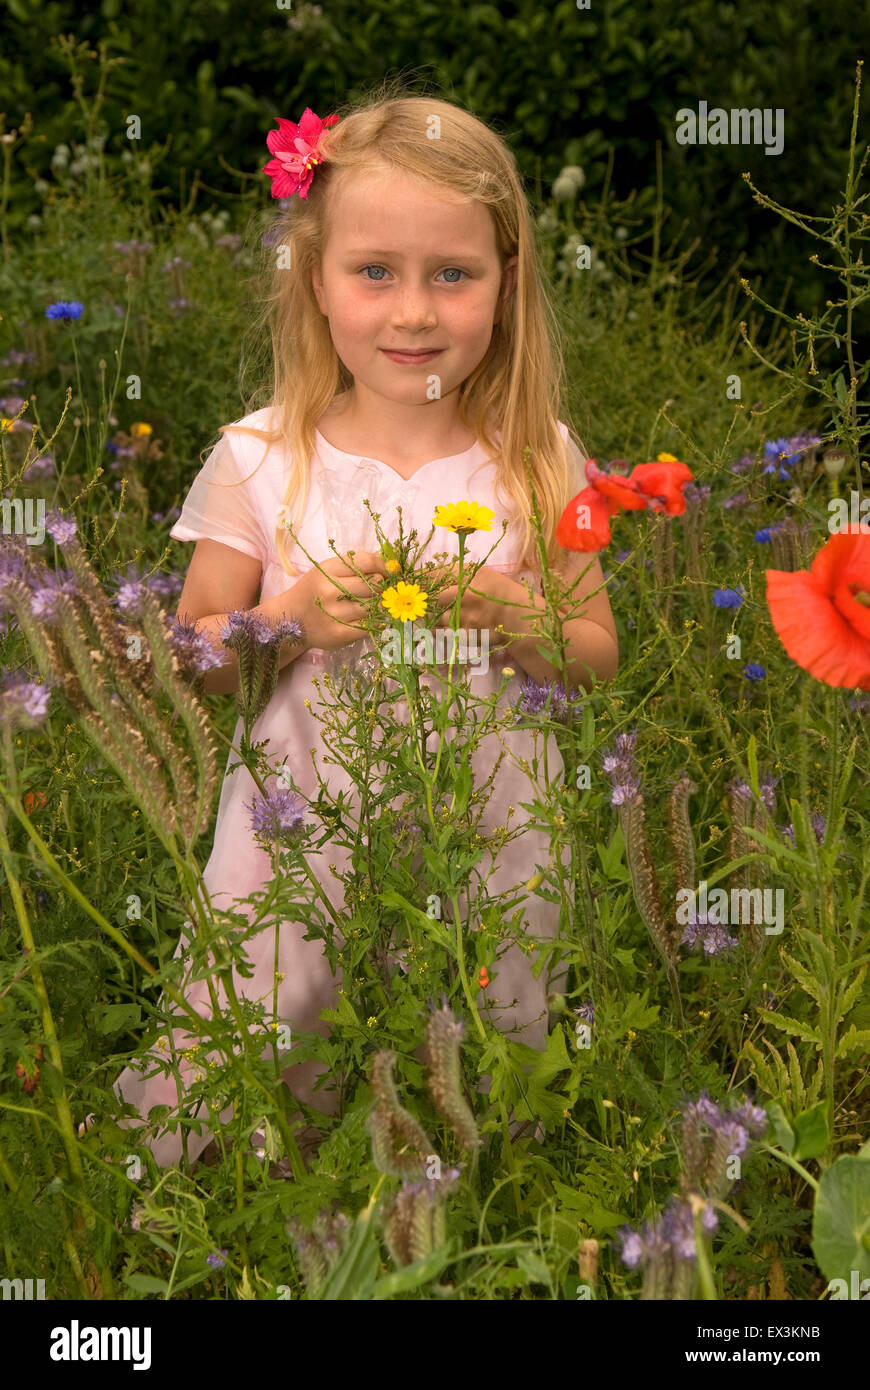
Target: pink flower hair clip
(296, 151)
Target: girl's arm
(593, 645)
(220, 575)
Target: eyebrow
(363, 251)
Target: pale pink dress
(244, 518)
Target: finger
(368, 561)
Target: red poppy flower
(32, 799)
(617, 486)
(822, 616)
(663, 482)
(585, 522)
(483, 977)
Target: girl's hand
(327, 616)
(483, 601)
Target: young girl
(414, 359)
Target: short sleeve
(219, 506)
(578, 458)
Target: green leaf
(791, 1025)
(841, 1219)
(534, 1268)
(752, 760)
(413, 1276)
(588, 1208)
(343, 1013)
(113, 1017)
(853, 1041)
(553, 1059)
(811, 1132)
(852, 991)
(438, 932)
(612, 856)
(353, 1277)
(587, 736)
(813, 987)
(143, 1283)
(782, 1130)
(463, 788)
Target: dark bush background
(561, 83)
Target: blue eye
(451, 270)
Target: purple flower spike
(277, 818)
(23, 704)
(533, 699)
(48, 588)
(193, 650)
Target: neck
(384, 428)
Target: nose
(413, 308)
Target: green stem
(792, 1163)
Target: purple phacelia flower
(193, 651)
(23, 703)
(48, 588)
(61, 528)
(534, 698)
(277, 818)
(706, 929)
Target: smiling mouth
(412, 352)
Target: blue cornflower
(65, 309)
(727, 598)
(754, 672)
(763, 536)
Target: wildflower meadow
(694, 1125)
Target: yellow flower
(6, 423)
(405, 601)
(464, 517)
(371, 1021)
(140, 429)
(667, 458)
(393, 567)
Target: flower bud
(834, 461)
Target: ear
(508, 285)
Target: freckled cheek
(470, 323)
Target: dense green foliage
(563, 84)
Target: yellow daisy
(464, 517)
(393, 567)
(405, 601)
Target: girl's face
(408, 267)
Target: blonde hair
(515, 388)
